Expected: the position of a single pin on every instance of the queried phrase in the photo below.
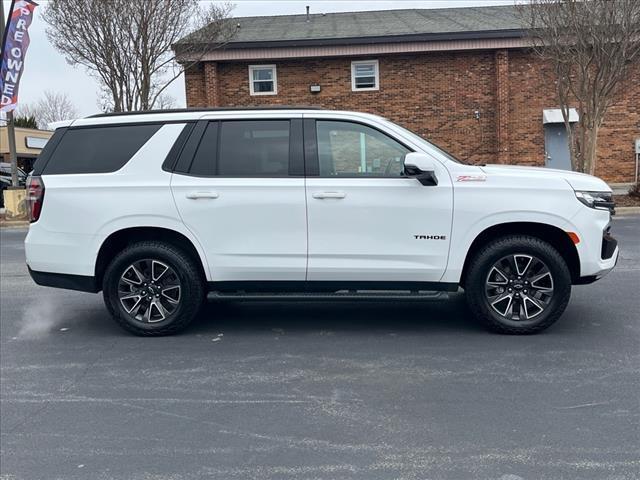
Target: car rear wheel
(153, 288)
(518, 285)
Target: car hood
(578, 181)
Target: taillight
(35, 197)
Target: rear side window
(98, 149)
(253, 148)
(204, 159)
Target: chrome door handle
(197, 195)
(321, 195)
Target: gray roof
(374, 26)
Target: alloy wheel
(149, 291)
(519, 287)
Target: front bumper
(597, 250)
(593, 278)
(609, 245)
(609, 254)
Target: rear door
(368, 222)
(239, 187)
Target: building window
(365, 75)
(263, 80)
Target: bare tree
(165, 102)
(127, 45)
(593, 47)
(27, 110)
(52, 107)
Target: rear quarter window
(101, 149)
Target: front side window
(350, 149)
(263, 80)
(365, 75)
(254, 148)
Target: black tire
(186, 301)
(480, 287)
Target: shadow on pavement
(309, 316)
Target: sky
(46, 69)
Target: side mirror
(421, 167)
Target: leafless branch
(52, 107)
(594, 48)
(127, 45)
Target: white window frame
(263, 67)
(376, 65)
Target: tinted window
(351, 149)
(98, 149)
(254, 148)
(204, 159)
(47, 151)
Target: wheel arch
(120, 239)
(555, 236)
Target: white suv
(159, 209)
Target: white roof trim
(554, 115)
(265, 54)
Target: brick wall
(437, 95)
(195, 87)
(503, 91)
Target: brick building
(463, 78)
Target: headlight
(599, 200)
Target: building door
(556, 146)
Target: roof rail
(211, 109)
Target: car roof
(206, 110)
(191, 114)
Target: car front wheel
(518, 285)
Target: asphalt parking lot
(320, 391)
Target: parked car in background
(5, 179)
(159, 209)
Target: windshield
(418, 138)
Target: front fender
(464, 234)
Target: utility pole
(13, 155)
(11, 132)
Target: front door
(367, 221)
(242, 195)
(556, 145)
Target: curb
(620, 211)
(14, 224)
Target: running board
(350, 295)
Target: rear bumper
(66, 281)
(60, 252)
